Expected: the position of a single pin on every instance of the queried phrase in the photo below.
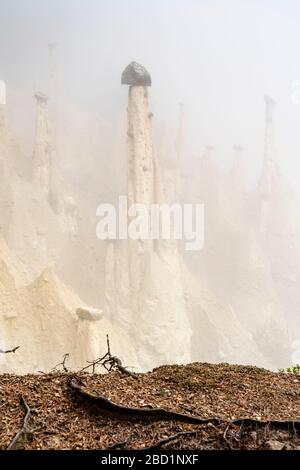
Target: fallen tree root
(24, 431)
(163, 413)
(283, 424)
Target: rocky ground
(61, 416)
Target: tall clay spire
(269, 171)
(269, 137)
(238, 168)
(2, 114)
(270, 151)
(179, 152)
(144, 288)
(140, 184)
(42, 146)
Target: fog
(219, 58)
(215, 60)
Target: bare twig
(109, 362)
(8, 351)
(24, 431)
(108, 345)
(63, 363)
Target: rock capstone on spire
(136, 75)
(41, 97)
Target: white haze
(238, 300)
(217, 57)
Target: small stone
(88, 313)
(136, 75)
(253, 435)
(274, 445)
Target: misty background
(219, 58)
(212, 63)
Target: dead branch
(161, 413)
(8, 351)
(24, 431)
(109, 362)
(63, 363)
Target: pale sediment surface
(62, 290)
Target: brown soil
(61, 418)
